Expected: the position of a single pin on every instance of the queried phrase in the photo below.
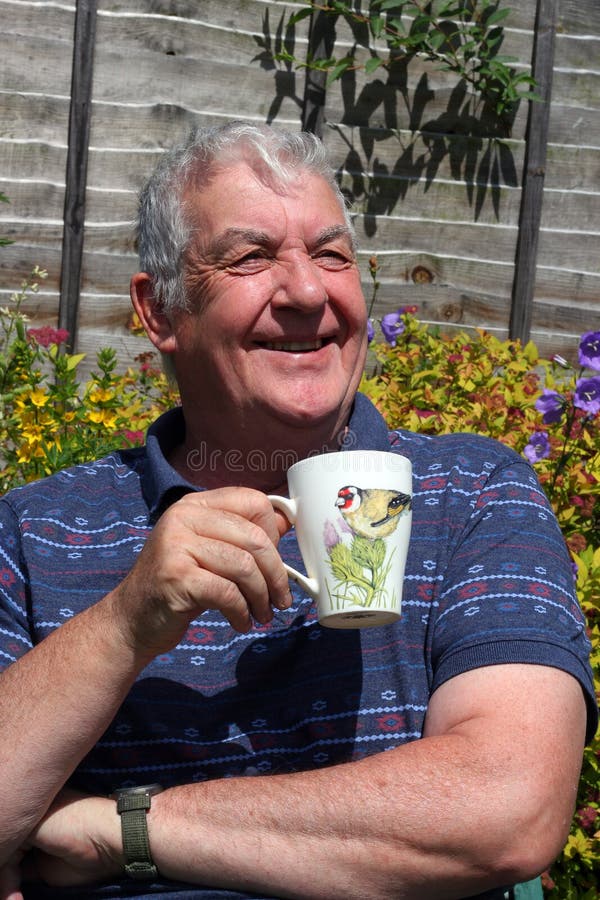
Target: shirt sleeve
(15, 631)
(508, 592)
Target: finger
(243, 558)
(238, 549)
(250, 504)
(10, 881)
(223, 595)
(283, 525)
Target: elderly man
(183, 660)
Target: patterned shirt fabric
(488, 581)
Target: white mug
(352, 511)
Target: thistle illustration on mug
(361, 567)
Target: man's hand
(210, 550)
(77, 842)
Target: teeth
(294, 346)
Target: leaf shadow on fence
(467, 137)
(274, 45)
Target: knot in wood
(421, 275)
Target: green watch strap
(132, 806)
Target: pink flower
(587, 818)
(134, 437)
(46, 336)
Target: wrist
(132, 807)
(111, 846)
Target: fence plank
(76, 177)
(535, 168)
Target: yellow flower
(32, 434)
(38, 397)
(27, 453)
(106, 417)
(101, 395)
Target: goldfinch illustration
(372, 512)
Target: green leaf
(436, 39)
(74, 360)
(390, 4)
(498, 16)
(372, 64)
(376, 24)
(340, 67)
(298, 16)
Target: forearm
(55, 702)
(473, 805)
(477, 803)
(211, 550)
(405, 824)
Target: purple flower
(392, 326)
(370, 331)
(538, 447)
(587, 394)
(343, 526)
(589, 350)
(551, 404)
(330, 536)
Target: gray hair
(163, 234)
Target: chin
(311, 411)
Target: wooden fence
(475, 227)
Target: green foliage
(440, 383)
(49, 419)
(459, 36)
(428, 381)
(360, 570)
(4, 241)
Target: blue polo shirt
(488, 581)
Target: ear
(156, 323)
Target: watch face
(149, 789)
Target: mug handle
(290, 508)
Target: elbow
(531, 847)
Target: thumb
(282, 523)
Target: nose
(299, 284)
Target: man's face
(277, 329)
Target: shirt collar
(162, 484)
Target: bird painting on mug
(372, 512)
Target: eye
(333, 258)
(251, 261)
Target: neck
(211, 463)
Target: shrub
(426, 381)
(49, 419)
(546, 409)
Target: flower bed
(426, 381)
(550, 412)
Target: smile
(294, 346)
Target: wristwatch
(132, 805)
